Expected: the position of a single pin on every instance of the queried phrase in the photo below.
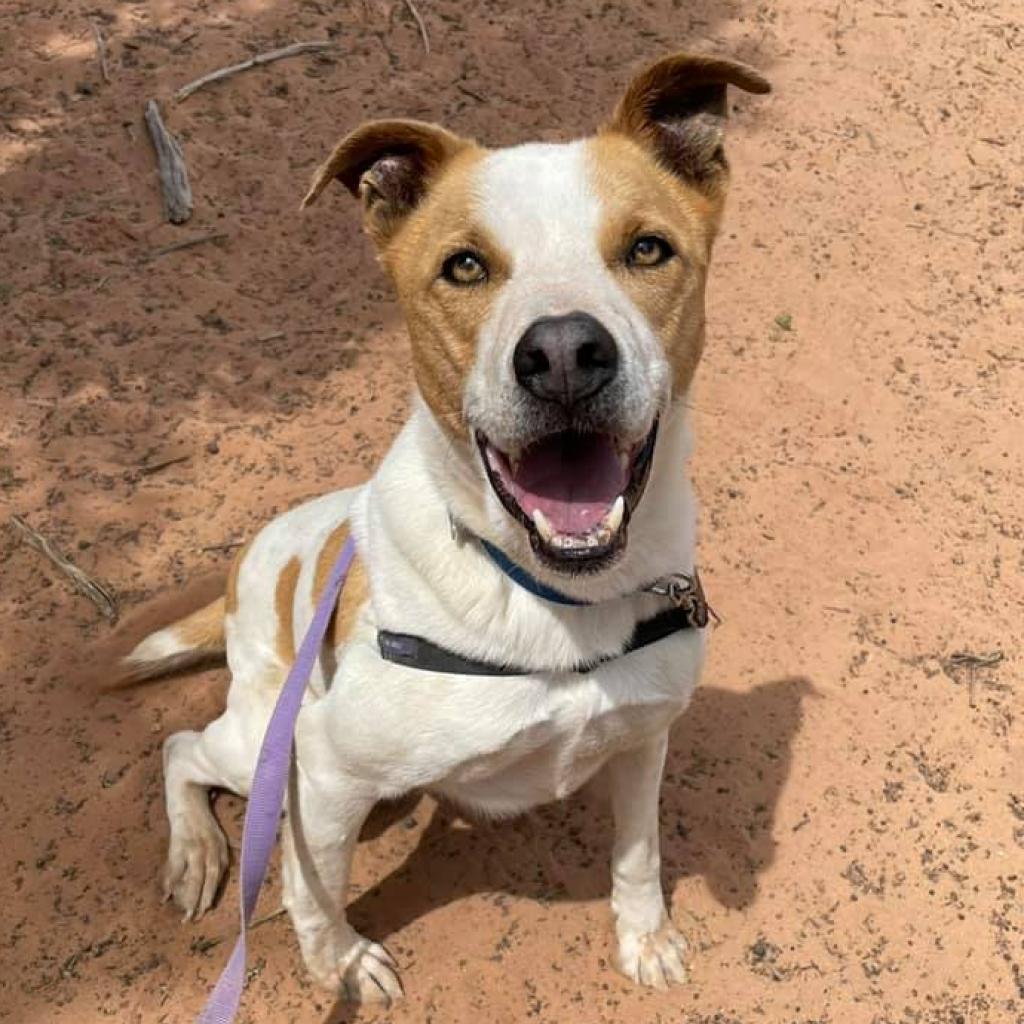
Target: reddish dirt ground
(844, 807)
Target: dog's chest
(546, 741)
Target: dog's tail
(179, 632)
(195, 640)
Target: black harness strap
(418, 652)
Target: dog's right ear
(677, 107)
(388, 166)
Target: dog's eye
(464, 267)
(649, 251)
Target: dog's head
(555, 293)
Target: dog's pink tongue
(573, 479)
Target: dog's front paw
(196, 861)
(652, 958)
(364, 972)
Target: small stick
(224, 546)
(268, 917)
(171, 167)
(155, 467)
(101, 52)
(208, 945)
(972, 662)
(413, 10)
(977, 660)
(188, 243)
(82, 581)
(465, 89)
(295, 50)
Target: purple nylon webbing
(266, 795)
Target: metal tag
(687, 594)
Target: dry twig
(226, 545)
(187, 243)
(170, 161)
(101, 51)
(82, 581)
(211, 943)
(295, 50)
(420, 24)
(972, 662)
(170, 460)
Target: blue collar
(519, 575)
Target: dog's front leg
(650, 950)
(326, 810)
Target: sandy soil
(844, 807)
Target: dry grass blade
(295, 50)
(171, 460)
(211, 943)
(101, 51)
(171, 167)
(82, 581)
(227, 545)
(976, 660)
(420, 24)
(187, 243)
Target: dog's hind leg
(195, 762)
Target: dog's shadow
(729, 759)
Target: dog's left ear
(677, 107)
(388, 166)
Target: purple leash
(266, 795)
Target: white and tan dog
(555, 301)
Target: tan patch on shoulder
(284, 606)
(354, 594)
(444, 320)
(231, 590)
(639, 196)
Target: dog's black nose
(565, 359)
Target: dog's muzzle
(576, 480)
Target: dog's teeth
(543, 527)
(614, 518)
(624, 461)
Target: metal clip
(687, 594)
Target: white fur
(372, 729)
(539, 203)
(163, 644)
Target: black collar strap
(690, 610)
(417, 652)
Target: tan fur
(354, 594)
(203, 629)
(687, 92)
(639, 196)
(423, 149)
(284, 605)
(444, 320)
(413, 240)
(106, 668)
(202, 633)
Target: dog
(501, 638)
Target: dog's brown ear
(388, 166)
(677, 107)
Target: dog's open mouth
(574, 492)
